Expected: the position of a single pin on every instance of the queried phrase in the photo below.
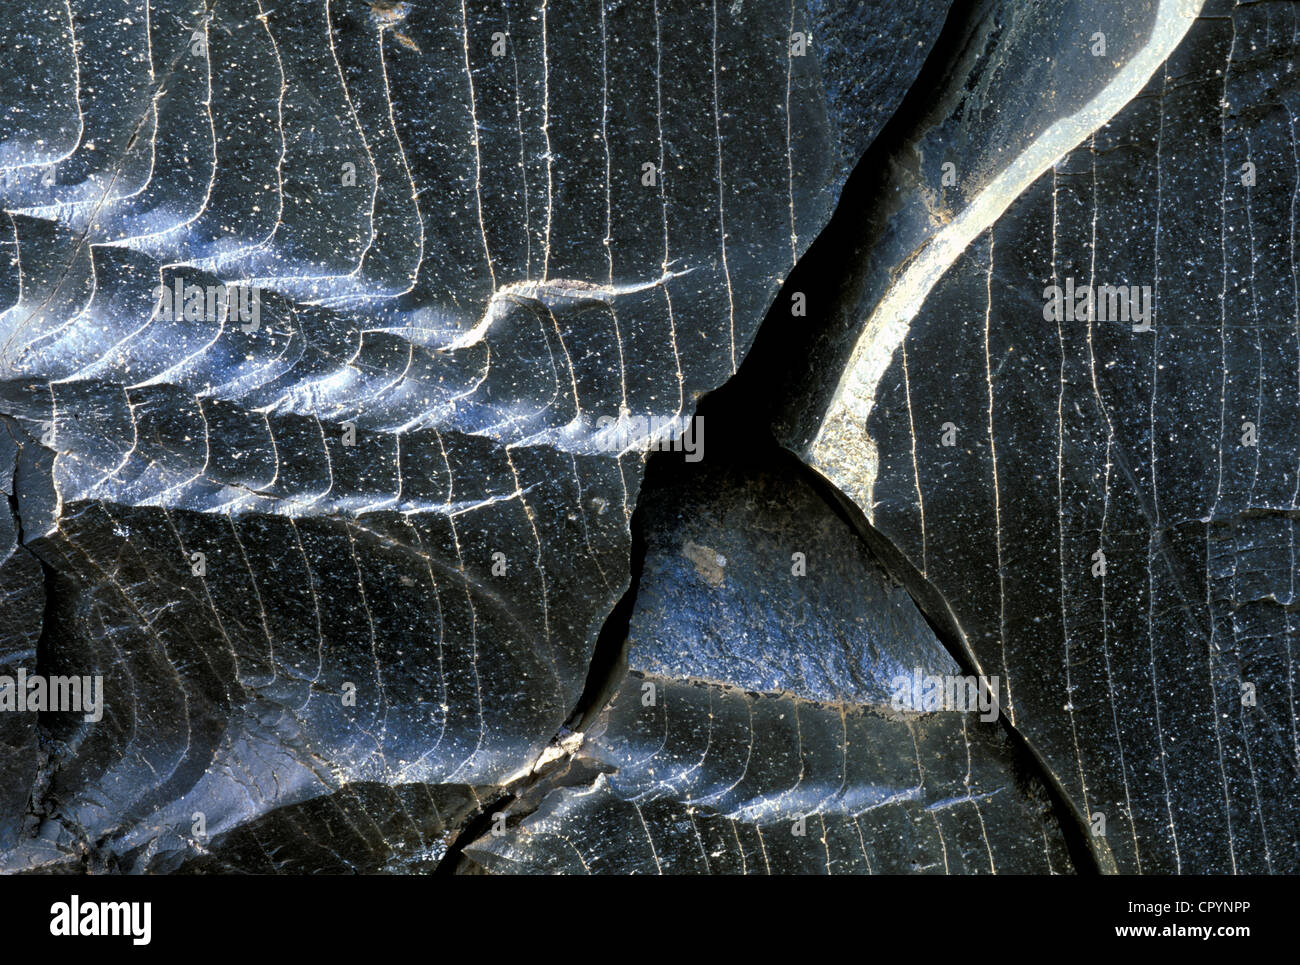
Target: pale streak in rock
(841, 450)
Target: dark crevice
(605, 673)
(831, 256)
(786, 368)
(473, 829)
(609, 659)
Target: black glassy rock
(331, 340)
(1101, 507)
(758, 728)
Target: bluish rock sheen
(369, 541)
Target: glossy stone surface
(755, 731)
(339, 345)
(1110, 527)
(366, 532)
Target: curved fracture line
(889, 323)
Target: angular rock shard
(759, 730)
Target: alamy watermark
(652, 433)
(1102, 303)
(184, 301)
(75, 918)
(35, 692)
(929, 692)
